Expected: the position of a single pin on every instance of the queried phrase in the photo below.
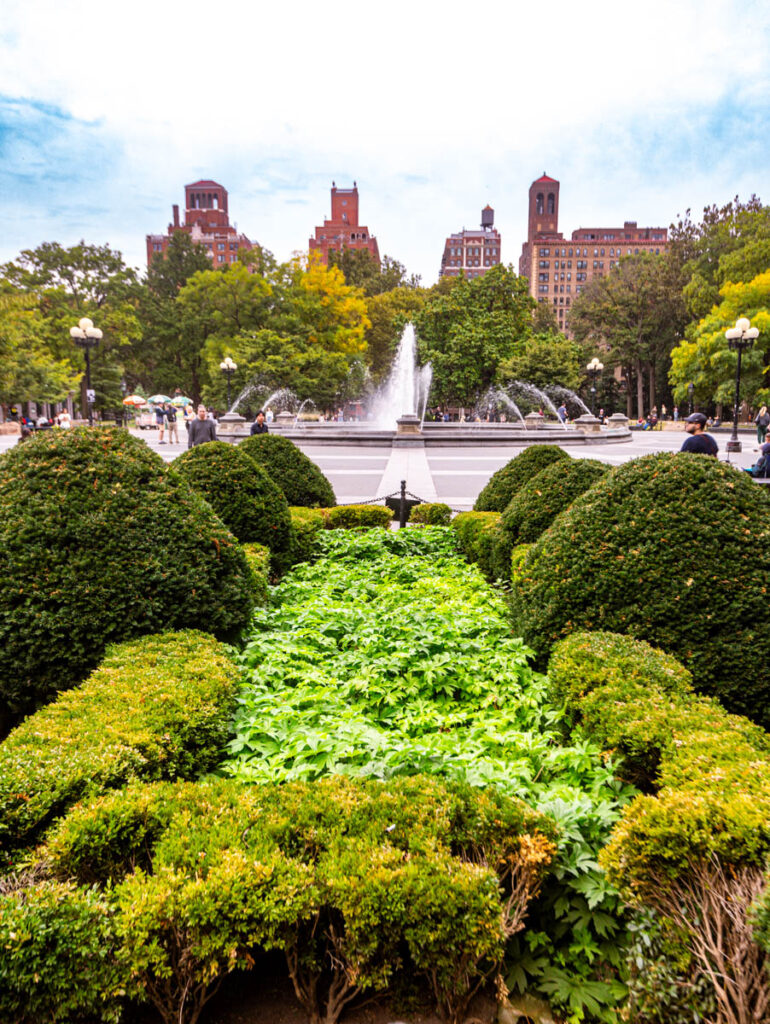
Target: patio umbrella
(180, 400)
(136, 400)
(157, 399)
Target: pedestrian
(259, 426)
(189, 416)
(269, 415)
(676, 414)
(762, 420)
(699, 442)
(202, 429)
(160, 421)
(65, 421)
(561, 412)
(173, 430)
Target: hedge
(351, 879)
(508, 480)
(100, 542)
(346, 517)
(156, 708)
(299, 478)
(706, 773)
(673, 549)
(242, 494)
(477, 537)
(431, 513)
(258, 559)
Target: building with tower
(342, 230)
(559, 269)
(472, 253)
(207, 222)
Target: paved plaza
(451, 475)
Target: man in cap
(699, 441)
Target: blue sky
(435, 108)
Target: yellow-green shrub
(258, 559)
(431, 513)
(348, 517)
(476, 534)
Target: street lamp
(594, 368)
(86, 336)
(690, 393)
(228, 367)
(739, 338)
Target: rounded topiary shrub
(241, 493)
(672, 549)
(535, 505)
(514, 474)
(99, 542)
(299, 478)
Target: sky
(435, 109)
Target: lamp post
(690, 393)
(593, 369)
(86, 336)
(739, 338)
(228, 367)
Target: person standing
(561, 412)
(699, 442)
(160, 421)
(259, 426)
(173, 430)
(762, 420)
(202, 429)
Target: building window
(542, 277)
(221, 246)
(543, 288)
(539, 203)
(545, 252)
(551, 202)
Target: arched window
(551, 202)
(539, 203)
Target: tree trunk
(639, 390)
(651, 378)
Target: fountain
(397, 415)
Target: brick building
(472, 253)
(207, 222)
(558, 269)
(342, 230)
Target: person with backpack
(762, 421)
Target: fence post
(402, 507)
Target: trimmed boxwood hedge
(156, 708)
(350, 517)
(674, 549)
(99, 542)
(299, 478)
(535, 505)
(514, 474)
(241, 493)
(706, 772)
(258, 558)
(476, 534)
(431, 513)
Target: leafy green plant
(299, 478)
(506, 482)
(622, 558)
(434, 513)
(477, 537)
(100, 542)
(241, 493)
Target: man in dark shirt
(201, 429)
(698, 442)
(259, 426)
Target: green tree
(388, 313)
(545, 359)
(467, 329)
(635, 314)
(704, 358)
(361, 270)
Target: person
(259, 426)
(160, 421)
(762, 420)
(173, 430)
(561, 412)
(26, 434)
(676, 414)
(189, 416)
(65, 420)
(202, 429)
(43, 423)
(269, 414)
(699, 442)
(602, 416)
(761, 467)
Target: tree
(361, 270)
(83, 280)
(704, 358)
(636, 314)
(468, 329)
(543, 359)
(388, 314)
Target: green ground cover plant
(354, 881)
(156, 708)
(100, 542)
(508, 480)
(391, 656)
(624, 558)
(299, 478)
(694, 846)
(242, 494)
